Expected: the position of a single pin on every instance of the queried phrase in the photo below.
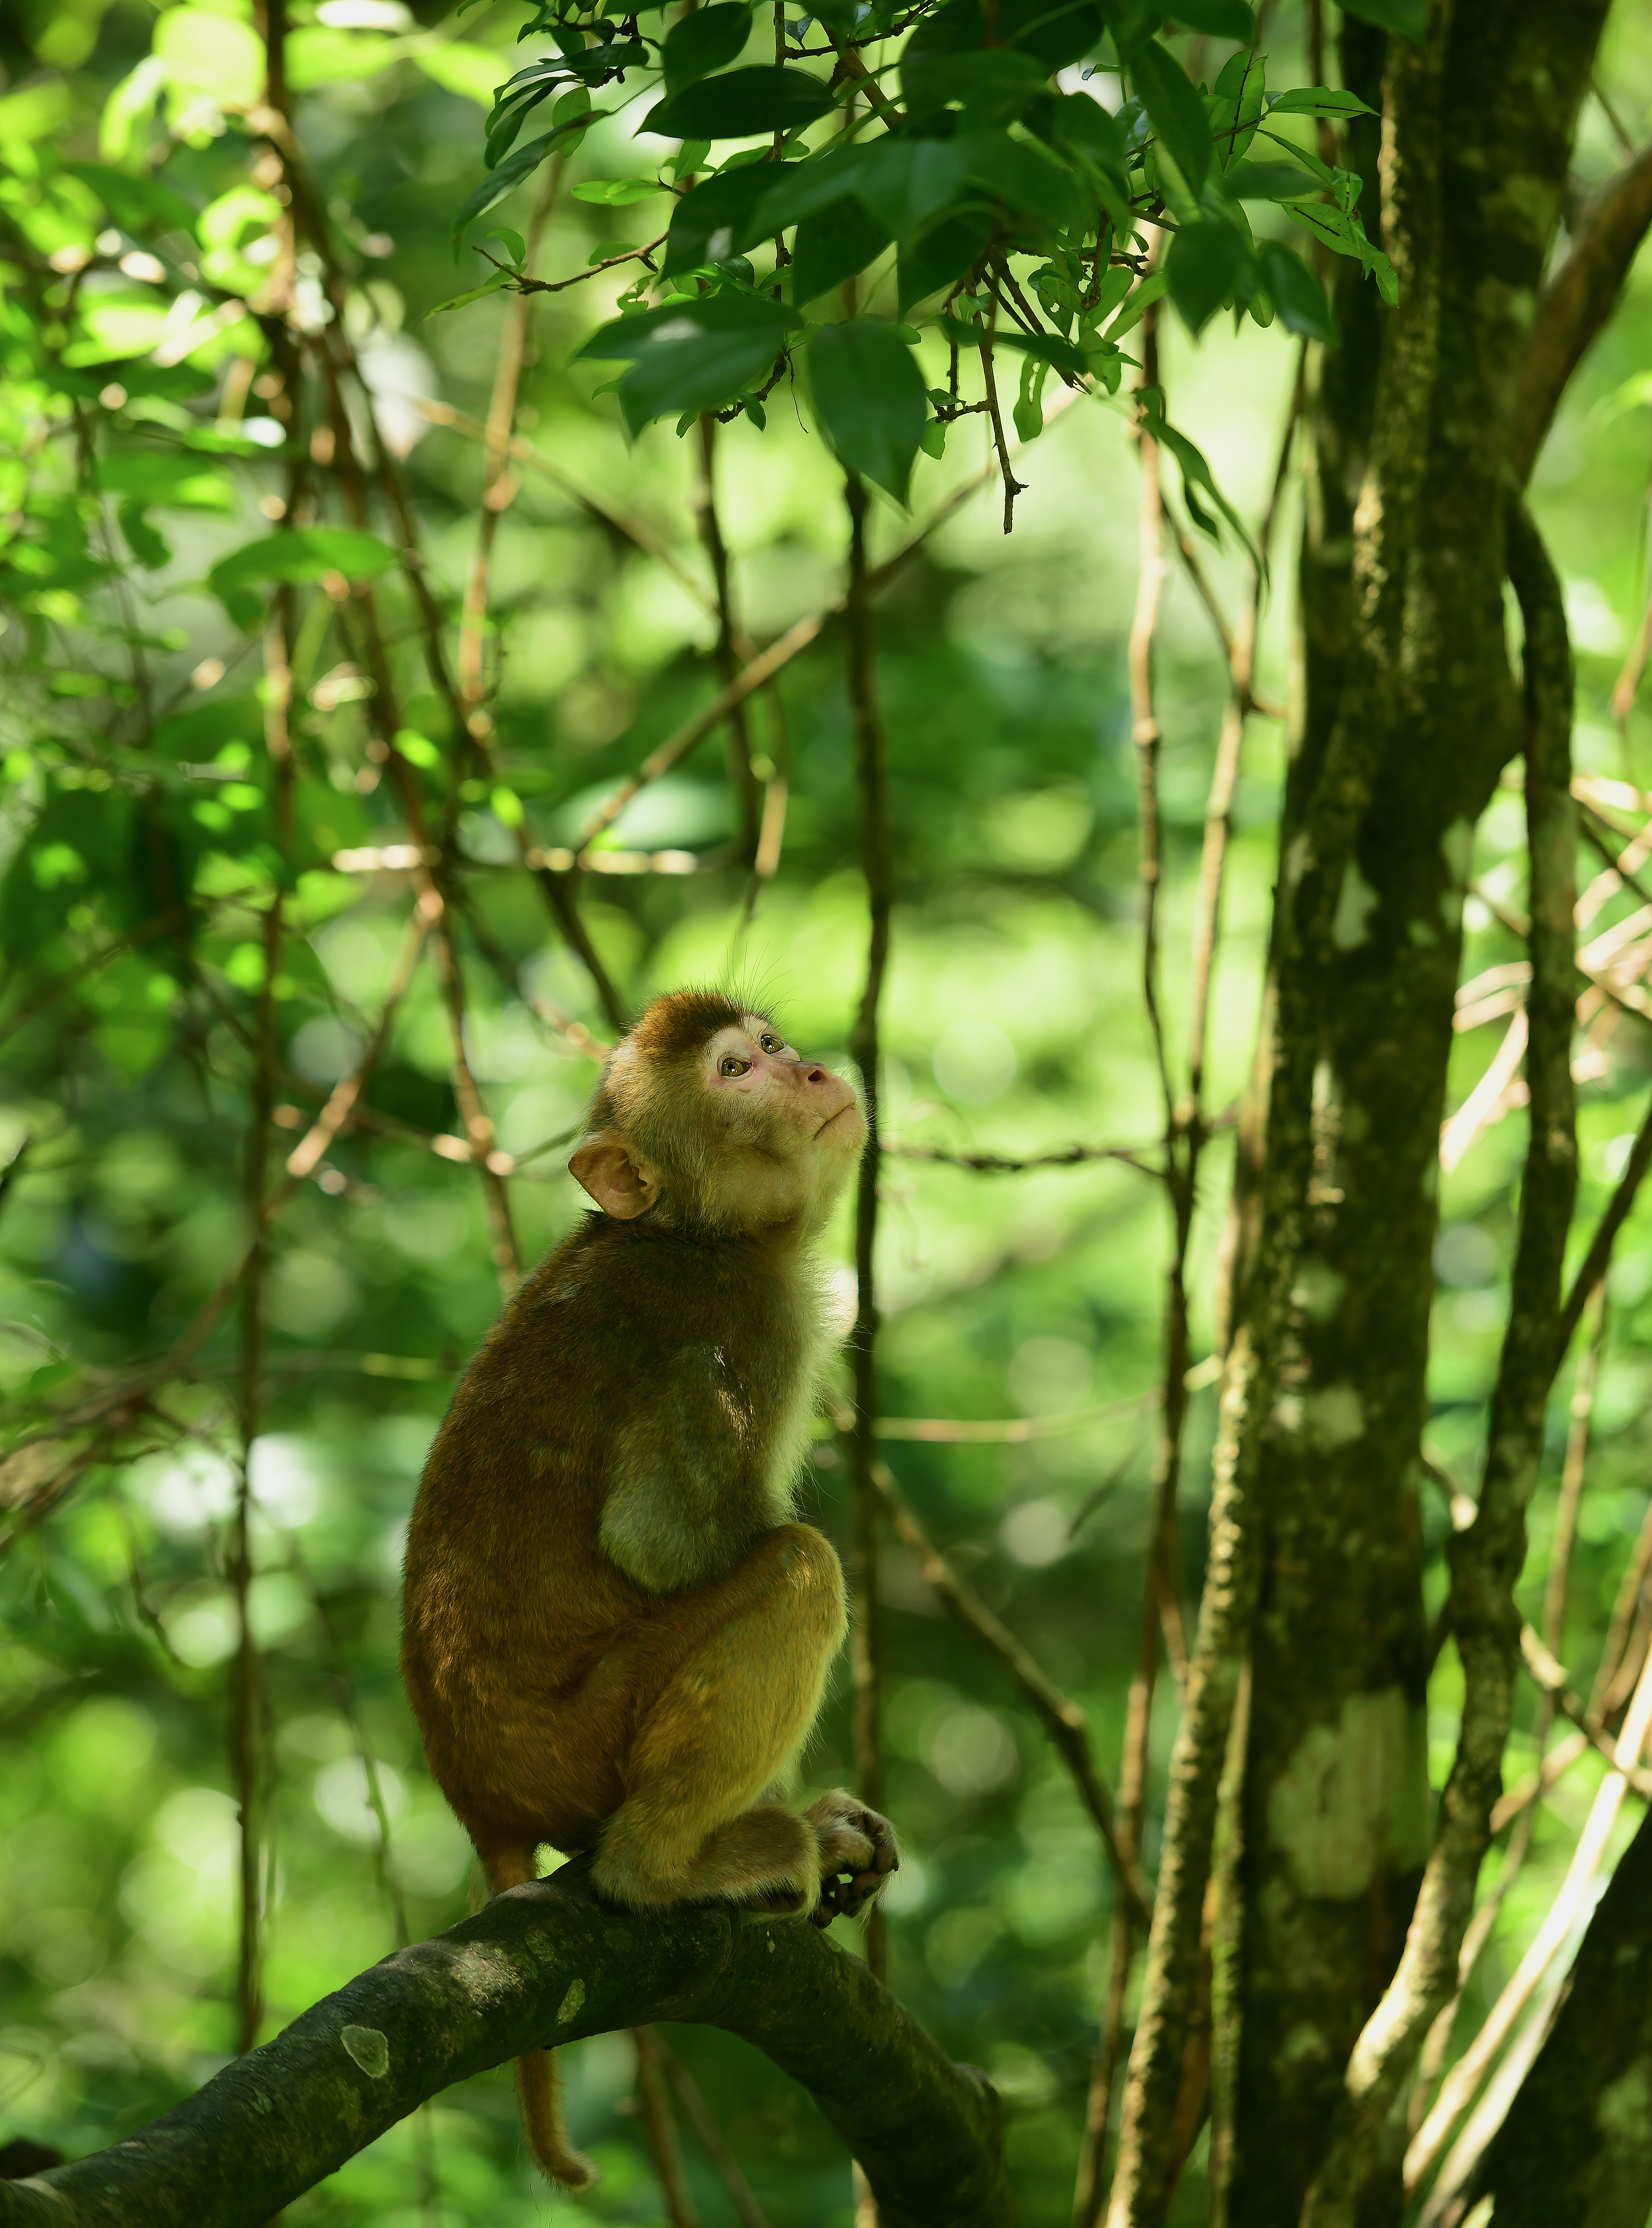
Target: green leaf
(1195, 473)
(832, 247)
(708, 40)
(165, 476)
(944, 253)
(1237, 104)
(869, 398)
(1205, 267)
(617, 193)
(1085, 126)
(1318, 100)
(1296, 294)
(715, 219)
(740, 104)
(806, 187)
(1410, 17)
(996, 86)
(1048, 348)
(687, 315)
(696, 372)
(943, 58)
(470, 294)
(1176, 110)
(1154, 284)
(905, 183)
(511, 172)
(515, 245)
(1266, 181)
(1027, 180)
(302, 554)
(136, 203)
(1222, 19)
(149, 548)
(1131, 21)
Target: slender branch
(601, 507)
(727, 658)
(498, 484)
(871, 784)
(1577, 301)
(1062, 1720)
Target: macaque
(616, 1639)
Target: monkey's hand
(858, 1852)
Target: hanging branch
(863, 1046)
(654, 2107)
(1486, 1557)
(693, 2104)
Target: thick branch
(547, 1964)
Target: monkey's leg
(751, 1653)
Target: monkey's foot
(858, 1852)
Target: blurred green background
(1013, 1024)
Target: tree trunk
(1417, 713)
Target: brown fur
(616, 1638)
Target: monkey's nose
(814, 1072)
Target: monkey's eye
(769, 1041)
(732, 1064)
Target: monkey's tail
(539, 2080)
(539, 2084)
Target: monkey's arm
(689, 1485)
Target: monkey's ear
(618, 1182)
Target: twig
(1062, 1720)
(1001, 1164)
(525, 287)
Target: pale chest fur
(710, 1456)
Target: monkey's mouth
(838, 1117)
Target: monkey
(616, 1635)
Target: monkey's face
(785, 1131)
(711, 1119)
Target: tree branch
(1577, 300)
(545, 1963)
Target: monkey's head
(708, 1120)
